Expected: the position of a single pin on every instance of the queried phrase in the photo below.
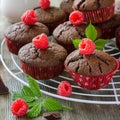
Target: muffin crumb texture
(97, 64)
(66, 32)
(22, 33)
(53, 55)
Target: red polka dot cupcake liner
(13, 46)
(99, 16)
(92, 82)
(42, 73)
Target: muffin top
(96, 64)
(49, 15)
(25, 33)
(51, 56)
(91, 4)
(66, 5)
(66, 32)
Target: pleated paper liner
(92, 82)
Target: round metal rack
(107, 95)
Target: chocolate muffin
(97, 64)
(95, 11)
(42, 64)
(51, 17)
(66, 5)
(109, 27)
(92, 71)
(66, 32)
(19, 34)
(117, 36)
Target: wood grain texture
(80, 111)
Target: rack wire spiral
(107, 95)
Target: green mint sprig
(91, 33)
(37, 104)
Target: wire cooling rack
(107, 95)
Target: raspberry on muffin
(96, 11)
(29, 17)
(90, 69)
(23, 32)
(86, 47)
(76, 18)
(42, 59)
(70, 30)
(44, 4)
(50, 16)
(41, 41)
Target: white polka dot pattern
(92, 82)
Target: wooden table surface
(80, 111)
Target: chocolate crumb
(52, 115)
(3, 88)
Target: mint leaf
(26, 98)
(16, 95)
(33, 103)
(91, 32)
(51, 104)
(76, 42)
(26, 91)
(100, 43)
(34, 111)
(32, 95)
(34, 86)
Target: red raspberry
(87, 46)
(41, 41)
(44, 4)
(19, 107)
(29, 17)
(76, 18)
(64, 89)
